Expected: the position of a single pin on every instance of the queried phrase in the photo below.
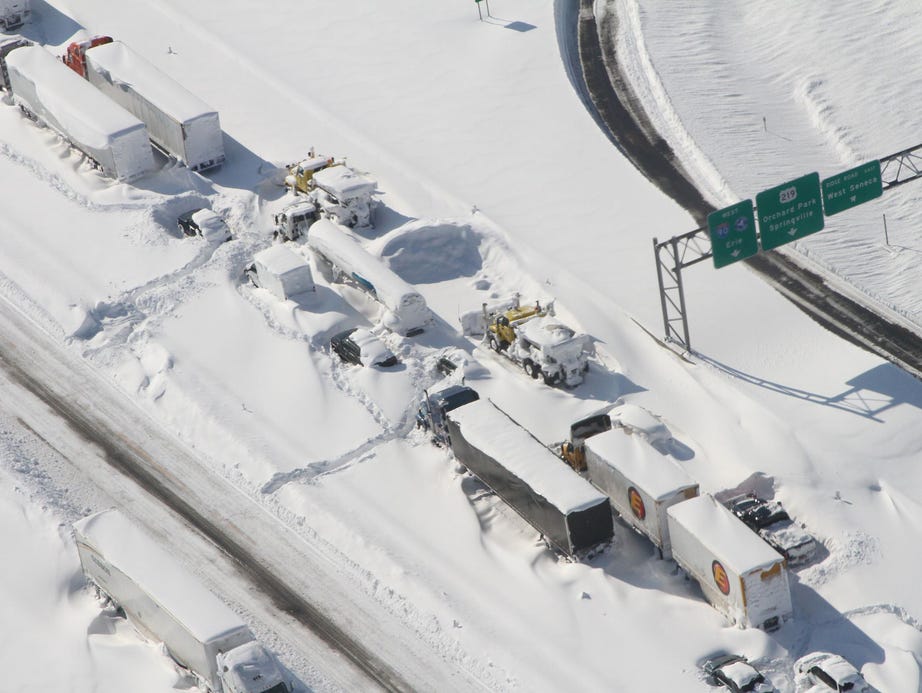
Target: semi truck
(344, 196)
(641, 482)
(167, 604)
(431, 415)
(534, 338)
(341, 258)
(739, 573)
(46, 91)
(179, 123)
(14, 13)
(571, 514)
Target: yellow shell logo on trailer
(637, 506)
(720, 577)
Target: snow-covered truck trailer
(281, 271)
(572, 515)
(740, 574)
(341, 257)
(179, 123)
(109, 135)
(640, 481)
(14, 13)
(169, 605)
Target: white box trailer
(571, 514)
(169, 605)
(405, 309)
(740, 574)
(640, 481)
(281, 271)
(53, 94)
(178, 122)
(14, 13)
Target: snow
(407, 307)
(86, 117)
(732, 542)
(493, 179)
(288, 273)
(343, 182)
(489, 429)
(122, 545)
(122, 63)
(62, 641)
(659, 475)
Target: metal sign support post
(672, 256)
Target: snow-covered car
(772, 522)
(361, 347)
(736, 673)
(204, 223)
(820, 672)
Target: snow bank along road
(627, 124)
(97, 429)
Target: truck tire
(551, 378)
(494, 344)
(531, 368)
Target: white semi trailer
(641, 482)
(178, 122)
(169, 605)
(47, 91)
(740, 574)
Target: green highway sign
(733, 233)
(852, 188)
(790, 211)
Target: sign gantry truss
(676, 253)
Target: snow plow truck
(534, 338)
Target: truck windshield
(277, 688)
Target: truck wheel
(530, 368)
(551, 378)
(494, 344)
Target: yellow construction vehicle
(534, 338)
(300, 173)
(501, 328)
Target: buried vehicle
(743, 577)
(169, 605)
(179, 123)
(735, 673)
(534, 338)
(48, 92)
(340, 258)
(344, 196)
(205, 223)
(641, 482)
(573, 516)
(294, 220)
(771, 521)
(820, 672)
(361, 347)
(280, 271)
